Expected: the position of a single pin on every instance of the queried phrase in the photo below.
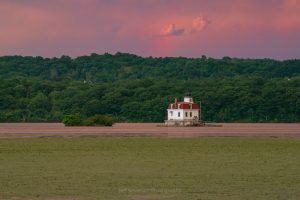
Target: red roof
(184, 105)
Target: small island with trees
(97, 120)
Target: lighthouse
(183, 113)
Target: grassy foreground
(149, 168)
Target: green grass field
(149, 168)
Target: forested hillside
(133, 88)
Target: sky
(159, 28)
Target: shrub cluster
(97, 120)
(72, 120)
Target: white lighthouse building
(184, 113)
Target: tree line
(136, 89)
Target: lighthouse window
(186, 114)
(178, 114)
(191, 114)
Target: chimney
(175, 101)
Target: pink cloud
(199, 24)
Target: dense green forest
(133, 88)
